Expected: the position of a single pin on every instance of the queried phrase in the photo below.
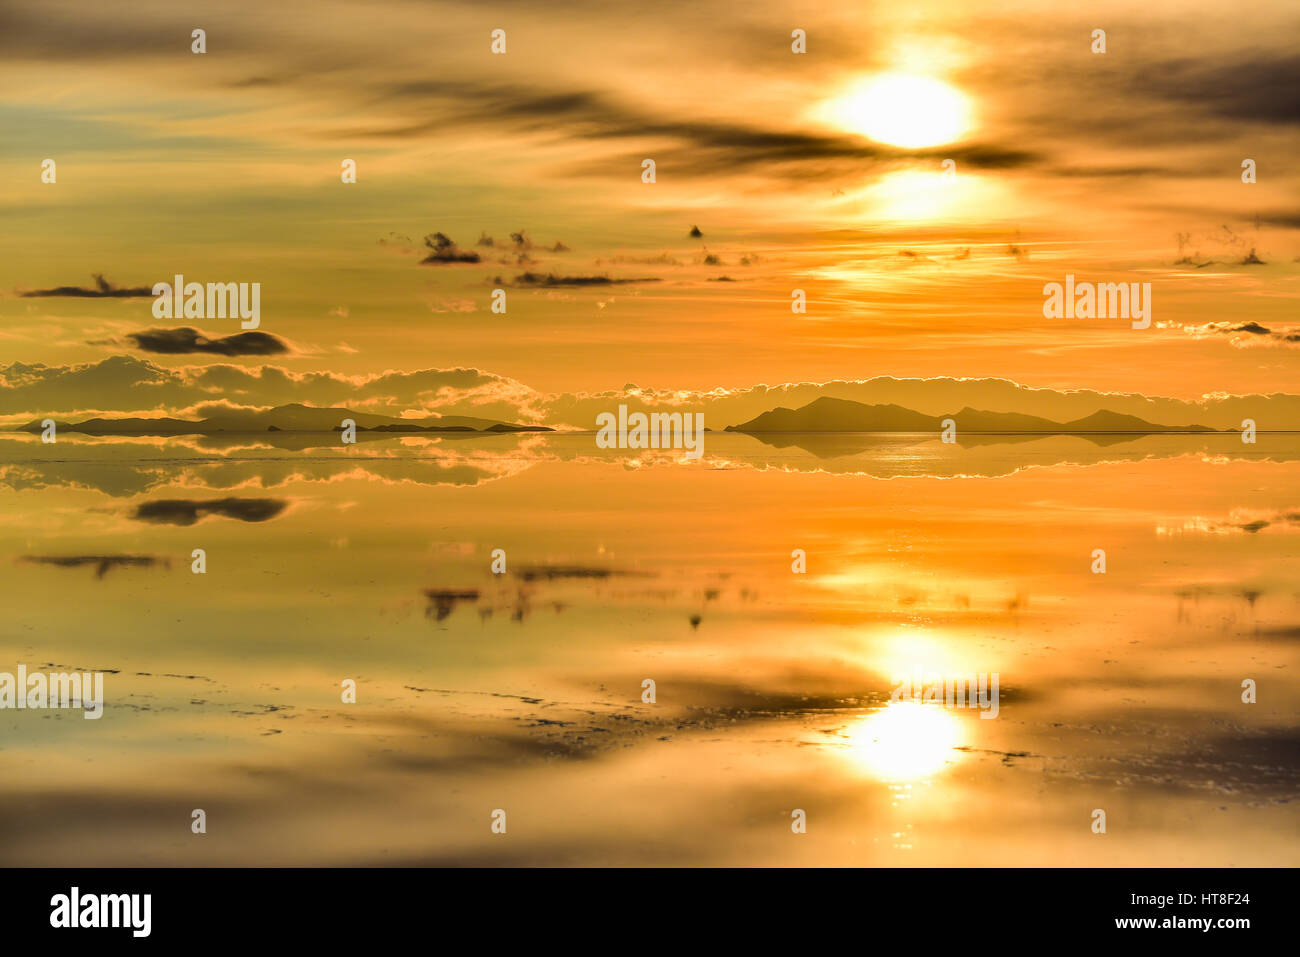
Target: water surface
(523, 691)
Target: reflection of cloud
(552, 280)
(1248, 521)
(533, 573)
(102, 563)
(443, 600)
(180, 511)
(125, 467)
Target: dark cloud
(102, 563)
(188, 511)
(444, 250)
(1257, 86)
(46, 34)
(185, 341)
(103, 290)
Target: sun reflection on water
(904, 741)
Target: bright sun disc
(902, 110)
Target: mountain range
(828, 414)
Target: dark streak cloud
(187, 340)
(103, 290)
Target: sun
(902, 110)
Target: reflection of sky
(526, 694)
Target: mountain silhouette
(828, 414)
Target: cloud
(128, 384)
(706, 145)
(187, 340)
(103, 290)
(125, 384)
(1246, 334)
(443, 250)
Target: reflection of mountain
(828, 414)
(286, 418)
(125, 467)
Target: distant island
(828, 414)
(284, 418)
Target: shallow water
(523, 691)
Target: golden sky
(821, 171)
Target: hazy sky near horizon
(225, 166)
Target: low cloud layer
(123, 384)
